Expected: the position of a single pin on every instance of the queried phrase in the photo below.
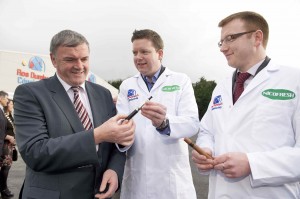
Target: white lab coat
(267, 130)
(157, 166)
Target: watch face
(164, 124)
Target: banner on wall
(19, 68)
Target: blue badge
(131, 95)
(217, 103)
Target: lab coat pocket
(179, 161)
(130, 182)
(271, 125)
(181, 177)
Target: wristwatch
(163, 125)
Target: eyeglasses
(231, 38)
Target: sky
(189, 29)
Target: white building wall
(18, 68)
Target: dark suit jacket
(3, 125)
(60, 155)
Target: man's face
(146, 59)
(240, 51)
(4, 100)
(72, 63)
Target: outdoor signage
(19, 68)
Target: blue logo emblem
(92, 78)
(131, 95)
(217, 102)
(36, 63)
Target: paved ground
(16, 177)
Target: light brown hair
(253, 21)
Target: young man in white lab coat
(157, 164)
(255, 139)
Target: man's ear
(53, 60)
(160, 54)
(259, 36)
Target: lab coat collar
(261, 77)
(159, 81)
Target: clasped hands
(231, 164)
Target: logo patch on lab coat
(217, 103)
(279, 94)
(131, 95)
(170, 88)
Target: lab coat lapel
(227, 84)
(261, 77)
(141, 83)
(162, 78)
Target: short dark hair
(150, 35)
(253, 21)
(68, 38)
(3, 94)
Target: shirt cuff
(165, 131)
(122, 148)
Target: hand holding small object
(133, 113)
(197, 148)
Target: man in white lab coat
(157, 165)
(254, 138)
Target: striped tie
(82, 113)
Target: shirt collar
(67, 86)
(254, 68)
(155, 76)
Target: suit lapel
(96, 100)
(62, 100)
(98, 104)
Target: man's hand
(155, 112)
(115, 131)
(110, 179)
(233, 164)
(202, 163)
(11, 139)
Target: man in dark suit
(64, 160)
(3, 121)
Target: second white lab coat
(264, 123)
(157, 166)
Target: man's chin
(78, 82)
(143, 72)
